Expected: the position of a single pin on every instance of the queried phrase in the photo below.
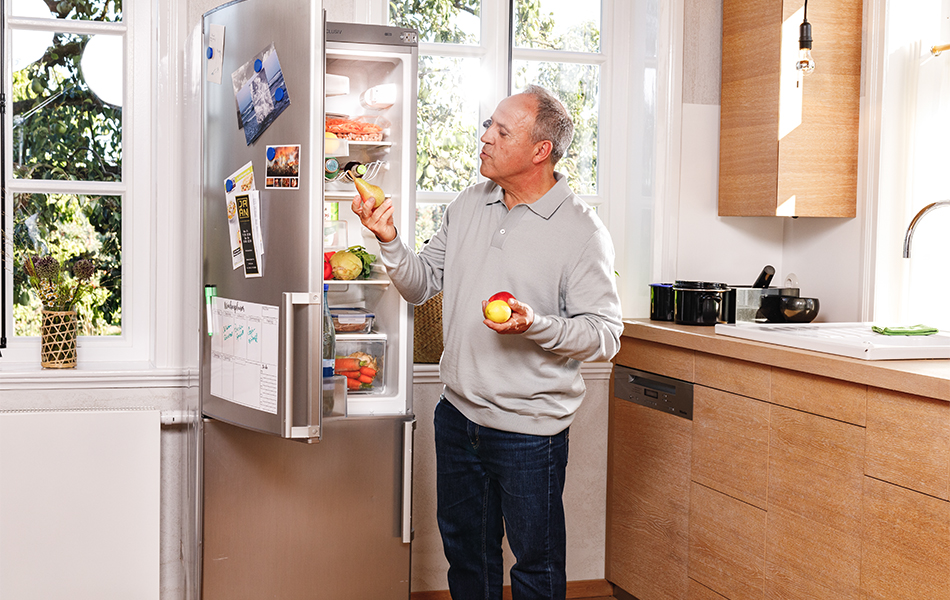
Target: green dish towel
(906, 330)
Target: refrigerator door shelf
(377, 277)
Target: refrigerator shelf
(370, 144)
(372, 170)
(340, 282)
(337, 196)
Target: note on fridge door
(249, 221)
(244, 353)
(238, 182)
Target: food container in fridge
(361, 358)
(352, 320)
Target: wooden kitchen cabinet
(726, 544)
(788, 144)
(647, 501)
(906, 544)
(731, 444)
(816, 472)
(908, 441)
(806, 480)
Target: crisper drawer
(362, 359)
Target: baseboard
(576, 590)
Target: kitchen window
(76, 86)
(911, 108)
(480, 51)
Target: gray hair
(552, 122)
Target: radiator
(79, 504)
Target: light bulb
(805, 64)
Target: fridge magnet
(214, 52)
(248, 213)
(260, 92)
(238, 182)
(283, 167)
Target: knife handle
(765, 277)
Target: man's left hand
(522, 316)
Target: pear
(367, 190)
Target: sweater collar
(546, 205)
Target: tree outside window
(556, 45)
(66, 138)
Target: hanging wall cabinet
(789, 142)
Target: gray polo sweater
(554, 255)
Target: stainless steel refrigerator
(306, 479)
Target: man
(512, 388)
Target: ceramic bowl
(789, 309)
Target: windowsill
(131, 375)
(92, 375)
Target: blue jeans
(491, 482)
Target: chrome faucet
(913, 224)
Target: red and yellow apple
(497, 309)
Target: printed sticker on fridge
(283, 167)
(260, 92)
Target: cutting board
(855, 340)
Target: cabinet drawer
(816, 472)
(906, 536)
(832, 398)
(648, 501)
(908, 441)
(656, 358)
(731, 444)
(733, 375)
(726, 544)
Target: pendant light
(805, 64)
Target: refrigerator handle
(408, 428)
(310, 430)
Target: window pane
(62, 127)
(69, 227)
(428, 221)
(578, 87)
(558, 25)
(80, 10)
(456, 22)
(447, 132)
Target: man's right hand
(378, 220)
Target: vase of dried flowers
(59, 290)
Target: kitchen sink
(845, 339)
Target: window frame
(492, 53)
(133, 344)
(622, 155)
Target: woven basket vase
(58, 335)
(427, 331)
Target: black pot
(699, 302)
(661, 301)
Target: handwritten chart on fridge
(244, 346)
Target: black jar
(661, 301)
(699, 302)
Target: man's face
(508, 149)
